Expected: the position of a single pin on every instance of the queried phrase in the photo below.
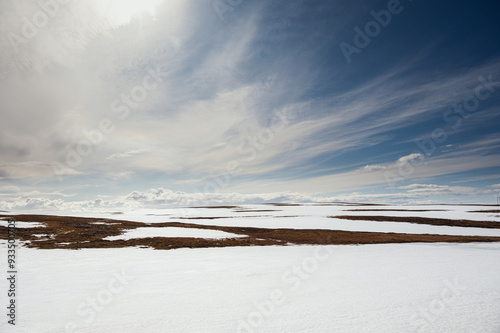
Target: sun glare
(120, 12)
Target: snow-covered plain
(336, 288)
(316, 216)
(369, 288)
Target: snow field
(370, 288)
(315, 216)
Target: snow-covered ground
(369, 288)
(336, 288)
(21, 224)
(311, 216)
(173, 232)
(307, 210)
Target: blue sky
(127, 104)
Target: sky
(122, 104)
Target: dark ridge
(424, 220)
(484, 211)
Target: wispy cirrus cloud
(184, 96)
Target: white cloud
(401, 161)
(9, 188)
(124, 154)
(374, 167)
(153, 198)
(164, 198)
(410, 158)
(432, 189)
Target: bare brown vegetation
(424, 220)
(485, 211)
